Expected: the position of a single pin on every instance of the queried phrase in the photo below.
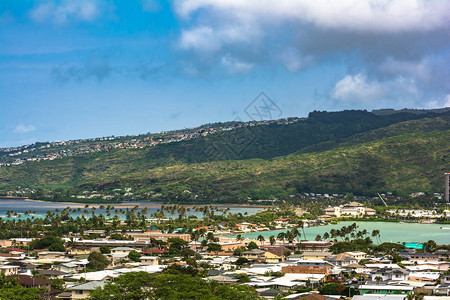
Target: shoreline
(133, 204)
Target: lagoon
(389, 231)
(41, 207)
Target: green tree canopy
(142, 285)
(134, 256)
(97, 261)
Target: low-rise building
(122, 250)
(314, 246)
(390, 274)
(341, 260)
(385, 289)
(9, 269)
(356, 254)
(316, 255)
(352, 209)
(149, 260)
(254, 254)
(82, 291)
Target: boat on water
(447, 228)
(401, 222)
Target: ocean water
(389, 231)
(41, 207)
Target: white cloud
(293, 61)
(357, 88)
(21, 128)
(200, 38)
(447, 101)
(400, 46)
(235, 66)
(209, 39)
(65, 11)
(353, 15)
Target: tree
(11, 290)
(214, 247)
(97, 261)
(252, 245)
(243, 278)
(239, 250)
(133, 285)
(177, 245)
(261, 238)
(337, 289)
(51, 243)
(272, 239)
(134, 256)
(429, 246)
(242, 261)
(281, 236)
(58, 284)
(105, 250)
(239, 238)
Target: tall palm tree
(281, 236)
(239, 238)
(261, 239)
(272, 239)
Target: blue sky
(85, 68)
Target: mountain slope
(404, 163)
(335, 152)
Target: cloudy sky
(84, 68)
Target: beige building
(9, 270)
(156, 234)
(357, 255)
(149, 260)
(82, 291)
(352, 209)
(122, 250)
(80, 251)
(314, 255)
(254, 254)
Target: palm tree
(261, 239)
(296, 233)
(302, 226)
(281, 236)
(272, 239)
(239, 238)
(376, 234)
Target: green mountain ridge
(350, 151)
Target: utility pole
(447, 187)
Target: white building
(353, 209)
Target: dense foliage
(11, 290)
(97, 261)
(142, 285)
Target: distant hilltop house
(353, 209)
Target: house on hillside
(254, 255)
(275, 254)
(390, 274)
(82, 291)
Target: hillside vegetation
(350, 151)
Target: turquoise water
(389, 231)
(418, 246)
